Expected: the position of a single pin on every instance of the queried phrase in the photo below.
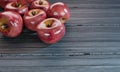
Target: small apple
(33, 17)
(17, 7)
(60, 11)
(4, 2)
(11, 23)
(41, 4)
(50, 30)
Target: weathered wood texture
(91, 43)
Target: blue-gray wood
(91, 43)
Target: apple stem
(63, 20)
(4, 28)
(40, 2)
(49, 23)
(17, 5)
(34, 13)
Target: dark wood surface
(91, 43)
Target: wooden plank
(88, 1)
(62, 69)
(60, 62)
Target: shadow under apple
(28, 41)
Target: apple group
(46, 19)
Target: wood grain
(91, 43)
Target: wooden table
(91, 43)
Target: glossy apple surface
(17, 7)
(29, 1)
(40, 4)
(11, 23)
(4, 2)
(33, 17)
(60, 11)
(22, 1)
(51, 30)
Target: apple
(41, 4)
(4, 2)
(11, 23)
(22, 1)
(33, 17)
(29, 1)
(50, 30)
(60, 11)
(17, 7)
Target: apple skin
(45, 5)
(31, 21)
(29, 1)
(13, 21)
(22, 1)
(53, 34)
(11, 7)
(60, 11)
(4, 2)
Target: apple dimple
(4, 28)
(17, 5)
(34, 12)
(63, 20)
(40, 4)
(49, 23)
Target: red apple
(29, 1)
(17, 7)
(50, 30)
(22, 1)
(11, 23)
(4, 2)
(33, 17)
(60, 11)
(41, 4)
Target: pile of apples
(46, 19)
